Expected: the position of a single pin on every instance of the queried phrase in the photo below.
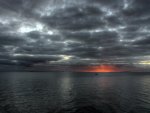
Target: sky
(74, 32)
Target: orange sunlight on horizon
(103, 68)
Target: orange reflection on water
(102, 68)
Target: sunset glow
(103, 68)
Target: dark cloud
(33, 59)
(10, 40)
(60, 32)
(138, 8)
(75, 18)
(143, 42)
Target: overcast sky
(74, 32)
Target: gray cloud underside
(74, 31)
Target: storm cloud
(74, 32)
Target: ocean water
(56, 92)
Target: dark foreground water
(50, 92)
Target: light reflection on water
(74, 93)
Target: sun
(103, 68)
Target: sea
(74, 92)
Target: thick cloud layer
(74, 31)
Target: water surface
(54, 92)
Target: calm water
(51, 92)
